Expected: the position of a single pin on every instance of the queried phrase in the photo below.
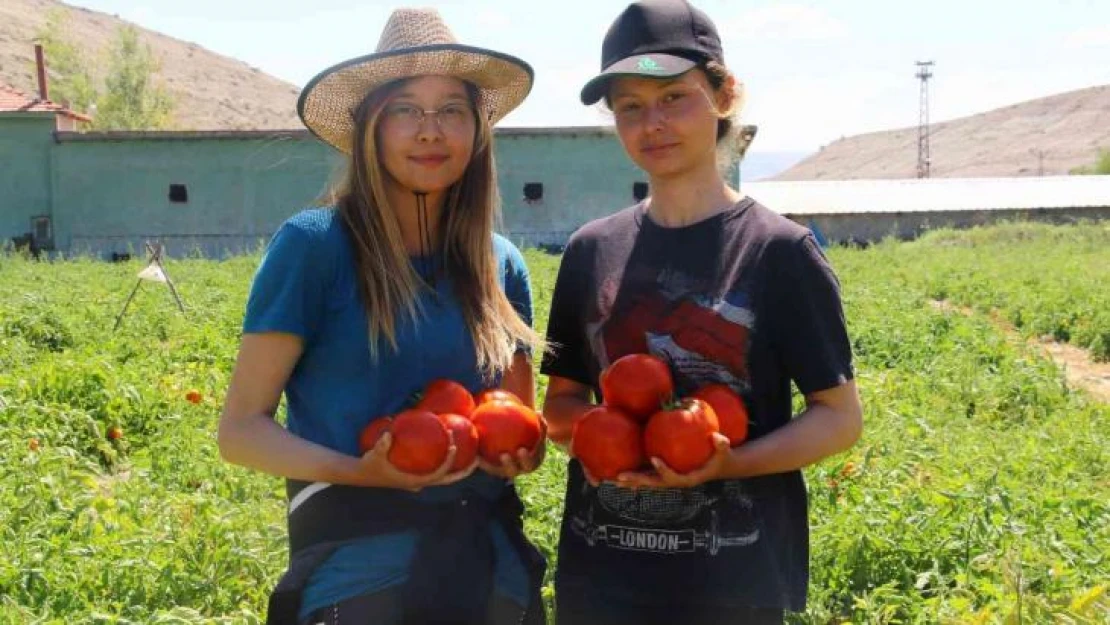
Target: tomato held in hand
(496, 394)
(420, 442)
(637, 384)
(607, 442)
(682, 435)
(732, 414)
(465, 436)
(446, 397)
(372, 432)
(505, 427)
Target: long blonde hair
(389, 284)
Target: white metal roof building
(931, 194)
(868, 210)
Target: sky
(815, 71)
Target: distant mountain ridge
(1048, 136)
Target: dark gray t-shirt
(745, 298)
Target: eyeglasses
(452, 117)
(673, 105)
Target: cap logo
(647, 64)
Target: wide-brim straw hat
(414, 42)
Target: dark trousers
(577, 609)
(384, 608)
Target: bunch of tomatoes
(491, 423)
(641, 418)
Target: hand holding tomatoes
(494, 431)
(511, 438)
(732, 414)
(688, 439)
(717, 467)
(376, 468)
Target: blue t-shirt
(307, 285)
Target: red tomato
(682, 436)
(446, 397)
(193, 396)
(607, 442)
(496, 394)
(372, 432)
(115, 433)
(465, 436)
(732, 414)
(637, 384)
(420, 442)
(505, 427)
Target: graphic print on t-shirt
(704, 340)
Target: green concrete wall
(112, 195)
(26, 145)
(110, 192)
(585, 175)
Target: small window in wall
(179, 194)
(639, 190)
(533, 192)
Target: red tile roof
(14, 100)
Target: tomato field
(979, 493)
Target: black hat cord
(427, 259)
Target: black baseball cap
(656, 39)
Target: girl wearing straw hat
(727, 293)
(357, 306)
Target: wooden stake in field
(154, 272)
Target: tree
(1100, 168)
(128, 98)
(131, 99)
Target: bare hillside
(211, 91)
(1057, 133)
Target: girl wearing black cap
(358, 305)
(726, 292)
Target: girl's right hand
(376, 470)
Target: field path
(1080, 369)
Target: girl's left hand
(525, 461)
(665, 477)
